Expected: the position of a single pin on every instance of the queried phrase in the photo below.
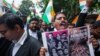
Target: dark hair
(33, 19)
(10, 20)
(23, 16)
(57, 14)
(96, 24)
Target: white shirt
(33, 34)
(19, 43)
(55, 29)
(25, 27)
(1, 36)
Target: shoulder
(34, 46)
(34, 42)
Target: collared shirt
(33, 34)
(55, 29)
(25, 27)
(1, 36)
(19, 43)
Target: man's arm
(83, 14)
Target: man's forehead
(33, 22)
(60, 15)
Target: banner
(70, 42)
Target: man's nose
(34, 24)
(62, 19)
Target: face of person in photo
(58, 37)
(63, 36)
(59, 44)
(61, 21)
(50, 36)
(66, 51)
(54, 53)
(65, 43)
(75, 38)
(53, 44)
(10, 34)
(53, 50)
(60, 52)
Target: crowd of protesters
(26, 39)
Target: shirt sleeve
(82, 16)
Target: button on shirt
(19, 43)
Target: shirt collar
(30, 31)
(55, 29)
(22, 39)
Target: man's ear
(17, 27)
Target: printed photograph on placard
(79, 38)
(70, 42)
(57, 43)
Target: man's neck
(20, 34)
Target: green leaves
(24, 8)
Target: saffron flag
(82, 3)
(75, 20)
(98, 18)
(49, 13)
